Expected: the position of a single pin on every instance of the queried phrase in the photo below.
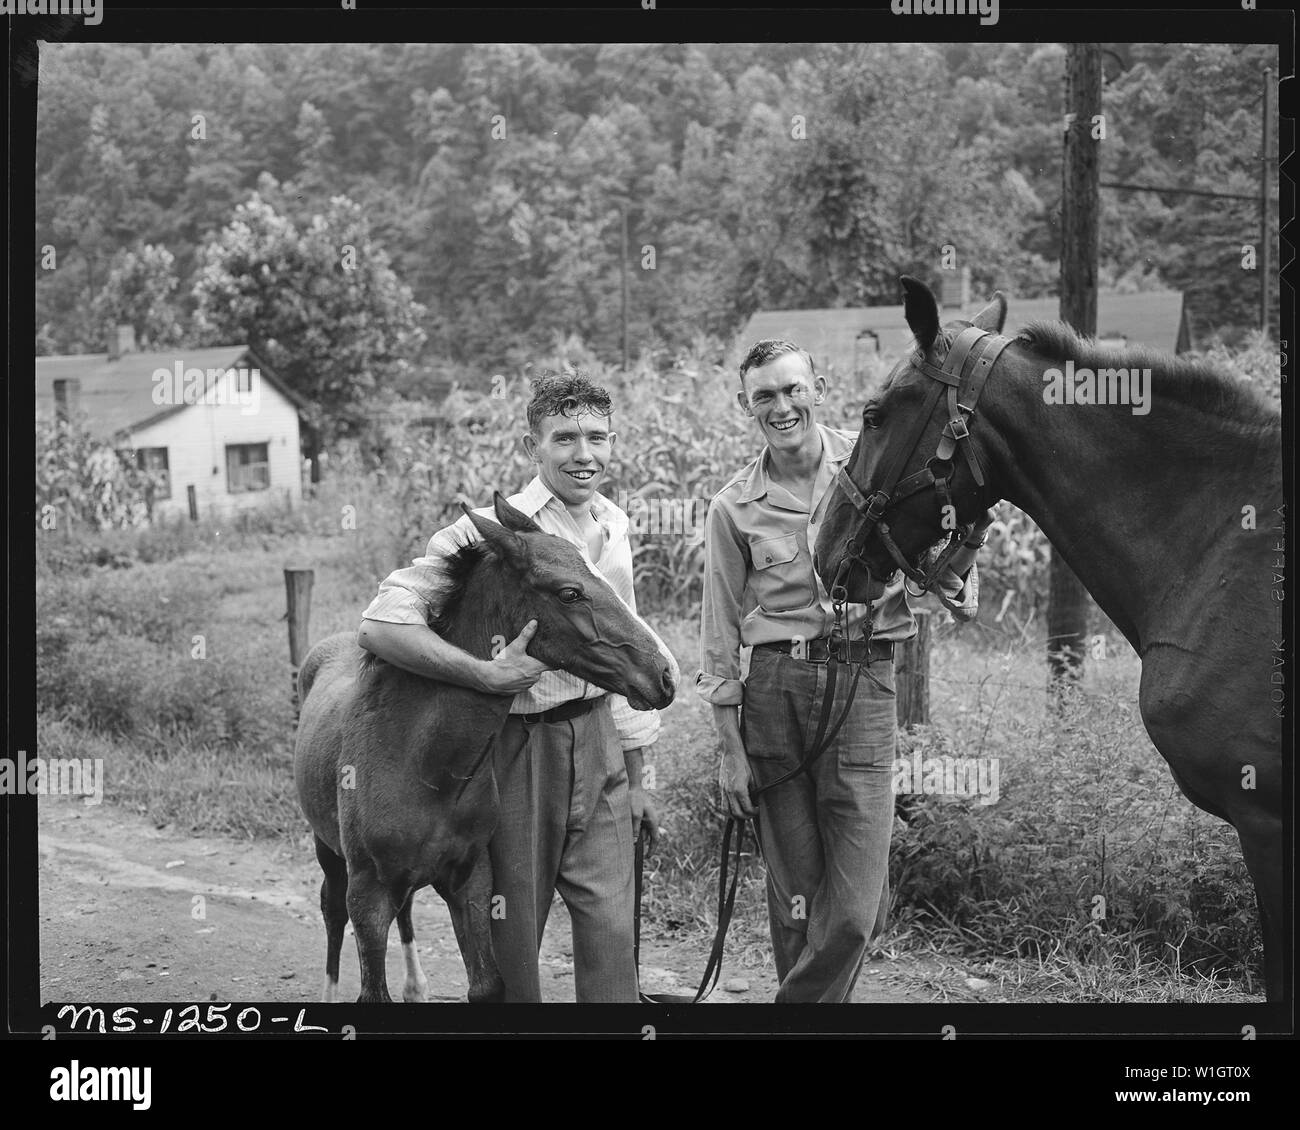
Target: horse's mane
(1196, 384)
(456, 572)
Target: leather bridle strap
(873, 508)
(962, 406)
(955, 430)
(904, 453)
(726, 906)
(963, 396)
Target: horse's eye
(569, 595)
(870, 418)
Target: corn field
(680, 437)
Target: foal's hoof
(415, 993)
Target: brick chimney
(954, 289)
(123, 341)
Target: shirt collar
(837, 446)
(536, 496)
(533, 497)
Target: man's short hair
(565, 394)
(761, 352)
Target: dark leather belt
(819, 650)
(574, 708)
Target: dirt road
(130, 912)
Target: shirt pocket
(780, 577)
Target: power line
(1179, 191)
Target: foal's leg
(471, 916)
(334, 908)
(416, 986)
(371, 908)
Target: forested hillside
(754, 175)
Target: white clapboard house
(214, 419)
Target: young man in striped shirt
(569, 762)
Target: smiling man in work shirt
(569, 762)
(824, 834)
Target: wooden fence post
(193, 497)
(912, 686)
(297, 589)
(912, 674)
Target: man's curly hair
(565, 394)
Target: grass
(170, 661)
(1091, 860)
(1057, 978)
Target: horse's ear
(994, 316)
(511, 518)
(507, 543)
(921, 311)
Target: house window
(247, 467)
(67, 398)
(155, 459)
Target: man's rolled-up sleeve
(637, 729)
(726, 566)
(964, 593)
(406, 595)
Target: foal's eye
(569, 595)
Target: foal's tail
(307, 673)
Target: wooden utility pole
(1068, 603)
(625, 270)
(1265, 230)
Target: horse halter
(975, 350)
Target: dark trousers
(825, 834)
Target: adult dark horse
(1171, 518)
(394, 771)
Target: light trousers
(566, 826)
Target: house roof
(116, 394)
(1151, 318)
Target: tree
(139, 292)
(319, 303)
(767, 175)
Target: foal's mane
(456, 572)
(1196, 384)
(460, 565)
